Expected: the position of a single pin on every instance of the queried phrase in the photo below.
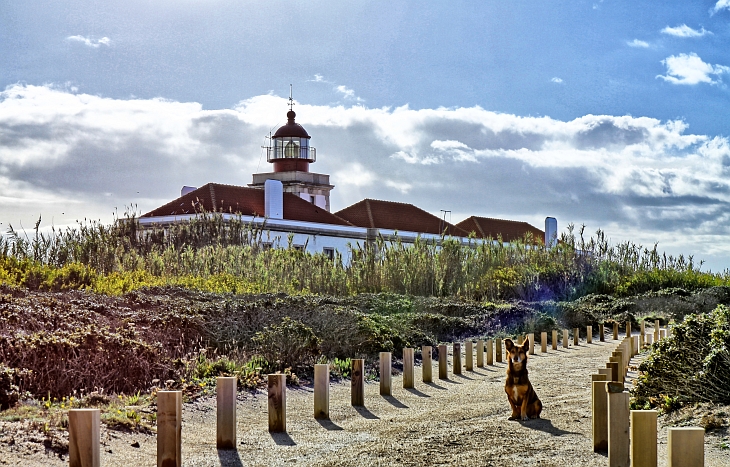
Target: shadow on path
(463, 377)
(395, 402)
(435, 386)
(542, 424)
(328, 424)
(417, 392)
(282, 439)
(365, 413)
(229, 457)
(450, 381)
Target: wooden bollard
(628, 328)
(84, 437)
(277, 403)
(635, 346)
(589, 334)
(443, 363)
(662, 333)
(643, 438)
(599, 377)
(618, 425)
(469, 360)
(607, 372)
(642, 326)
(385, 374)
(656, 330)
(480, 353)
(601, 333)
(576, 336)
(615, 331)
(498, 350)
(599, 414)
(649, 338)
(490, 352)
(531, 336)
(322, 391)
(225, 398)
(617, 360)
(565, 338)
(543, 342)
(613, 366)
(642, 339)
(427, 364)
(357, 382)
(669, 330)
(457, 358)
(169, 428)
(408, 363)
(520, 339)
(686, 447)
(555, 339)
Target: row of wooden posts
(630, 436)
(84, 424)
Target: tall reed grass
(213, 254)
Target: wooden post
(169, 428)
(520, 339)
(357, 382)
(589, 334)
(642, 339)
(601, 333)
(408, 362)
(607, 372)
(555, 339)
(628, 328)
(643, 438)
(84, 437)
(656, 330)
(576, 336)
(426, 364)
(565, 338)
(531, 336)
(277, 403)
(686, 447)
(669, 330)
(618, 425)
(613, 366)
(469, 361)
(498, 350)
(599, 414)
(480, 353)
(615, 331)
(443, 365)
(616, 358)
(322, 391)
(642, 325)
(225, 396)
(599, 377)
(543, 342)
(662, 333)
(635, 347)
(457, 358)
(385, 374)
(649, 338)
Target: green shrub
(289, 344)
(10, 392)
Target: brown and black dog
(522, 396)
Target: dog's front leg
(524, 408)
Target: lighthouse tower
(290, 153)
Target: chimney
(187, 189)
(551, 232)
(273, 199)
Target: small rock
(135, 444)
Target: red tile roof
(485, 227)
(403, 217)
(245, 201)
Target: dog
(520, 393)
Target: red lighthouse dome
(290, 150)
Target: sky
(611, 114)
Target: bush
(289, 344)
(10, 392)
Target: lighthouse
(290, 151)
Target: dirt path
(461, 421)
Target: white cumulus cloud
(638, 44)
(556, 80)
(690, 69)
(90, 42)
(721, 5)
(684, 31)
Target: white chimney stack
(273, 199)
(551, 231)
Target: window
(298, 247)
(329, 252)
(312, 199)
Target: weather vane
(291, 100)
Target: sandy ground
(460, 421)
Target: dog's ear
(508, 344)
(526, 345)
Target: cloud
(638, 44)
(90, 42)
(690, 70)
(556, 80)
(72, 154)
(684, 31)
(721, 5)
(348, 93)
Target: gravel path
(460, 421)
